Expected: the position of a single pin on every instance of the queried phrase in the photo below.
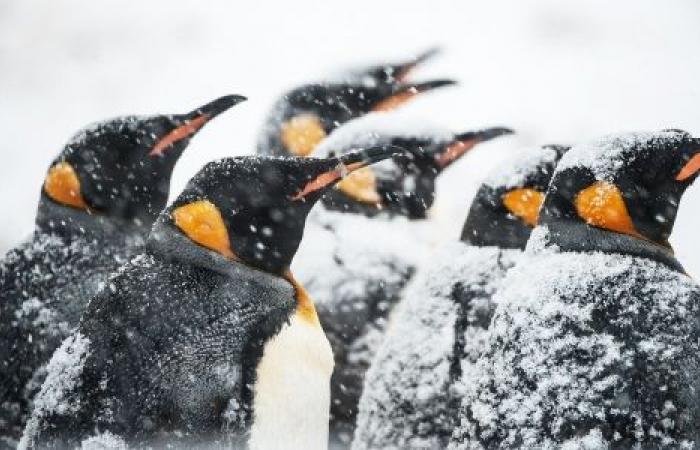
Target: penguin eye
(201, 221)
(525, 204)
(361, 185)
(602, 205)
(691, 168)
(63, 186)
(302, 133)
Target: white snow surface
(549, 364)
(405, 403)
(63, 372)
(554, 71)
(604, 155)
(513, 171)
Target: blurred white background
(557, 72)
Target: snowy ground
(555, 71)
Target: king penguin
(443, 316)
(356, 281)
(205, 338)
(304, 116)
(595, 342)
(99, 199)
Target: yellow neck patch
(361, 185)
(302, 133)
(525, 204)
(602, 205)
(201, 221)
(62, 185)
(305, 306)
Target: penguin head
(627, 185)
(405, 184)
(121, 168)
(507, 205)
(307, 114)
(253, 209)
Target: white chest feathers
(292, 391)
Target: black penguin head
(507, 205)
(628, 184)
(307, 114)
(253, 209)
(121, 168)
(405, 184)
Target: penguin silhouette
(205, 338)
(356, 279)
(304, 116)
(594, 343)
(98, 201)
(439, 325)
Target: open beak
(405, 92)
(402, 71)
(194, 121)
(465, 142)
(347, 164)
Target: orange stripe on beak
(183, 131)
(326, 178)
(690, 168)
(454, 151)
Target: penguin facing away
(99, 199)
(356, 280)
(443, 316)
(304, 116)
(205, 338)
(594, 343)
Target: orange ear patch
(63, 186)
(396, 100)
(602, 205)
(361, 185)
(201, 221)
(302, 133)
(525, 204)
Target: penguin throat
(305, 305)
(576, 236)
(69, 222)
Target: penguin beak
(401, 72)
(691, 168)
(347, 164)
(405, 92)
(465, 142)
(194, 121)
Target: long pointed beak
(464, 142)
(406, 92)
(689, 169)
(346, 164)
(402, 71)
(194, 121)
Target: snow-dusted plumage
(595, 340)
(118, 185)
(359, 255)
(439, 328)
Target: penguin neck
(71, 223)
(575, 236)
(485, 227)
(169, 243)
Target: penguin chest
(292, 390)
